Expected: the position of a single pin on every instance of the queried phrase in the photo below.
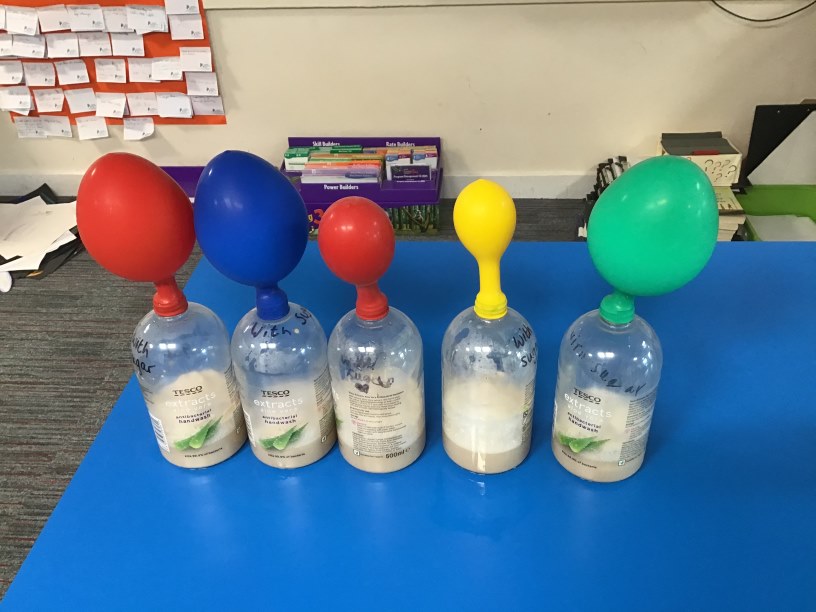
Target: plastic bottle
(183, 366)
(489, 352)
(650, 232)
(375, 351)
(285, 386)
(278, 347)
(138, 223)
(607, 385)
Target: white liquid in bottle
(488, 391)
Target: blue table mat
(721, 516)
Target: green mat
(799, 200)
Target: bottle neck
(169, 301)
(618, 308)
(372, 304)
(271, 302)
(491, 303)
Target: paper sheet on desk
(32, 226)
(33, 260)
(785, 228)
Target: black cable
(769, 19)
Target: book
(731, 213)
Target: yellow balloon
(484, 216)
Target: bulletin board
(156, 44)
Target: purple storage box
(419, 199)
(186, 176)
(387, 193)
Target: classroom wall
(520, 91)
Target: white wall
(513, 90)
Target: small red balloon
(137, 223)
(356, 240)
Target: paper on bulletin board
(156, 44)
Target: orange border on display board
(156, 44)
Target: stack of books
(327, 167)
(731, 213)
(354, 163)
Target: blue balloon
(251, 224)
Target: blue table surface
(722, 514)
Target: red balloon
(356, 240)
(136, 222)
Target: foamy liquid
(484, 425)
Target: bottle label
(291, 420)
(379, 417)
(196, 415)
(596, 430)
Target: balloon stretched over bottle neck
(169, 300)
(252, 226)
(484, 217)
(356, 240)
(372, 304)
(271, 303)
(123, 199)
(618, 308)
(651, 232)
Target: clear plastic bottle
(379, 390)
(252, 225)
(488, 387)
(138, 224)
(650, 232)
(375, 351)
(489, 353)
(183, 366)
(607, 384)
(283, 377)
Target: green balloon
(654, 228)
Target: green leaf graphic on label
(287, 438)
(595, 444)
(211, 430)
(296, 435)
(579, 445)
(198, 439)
